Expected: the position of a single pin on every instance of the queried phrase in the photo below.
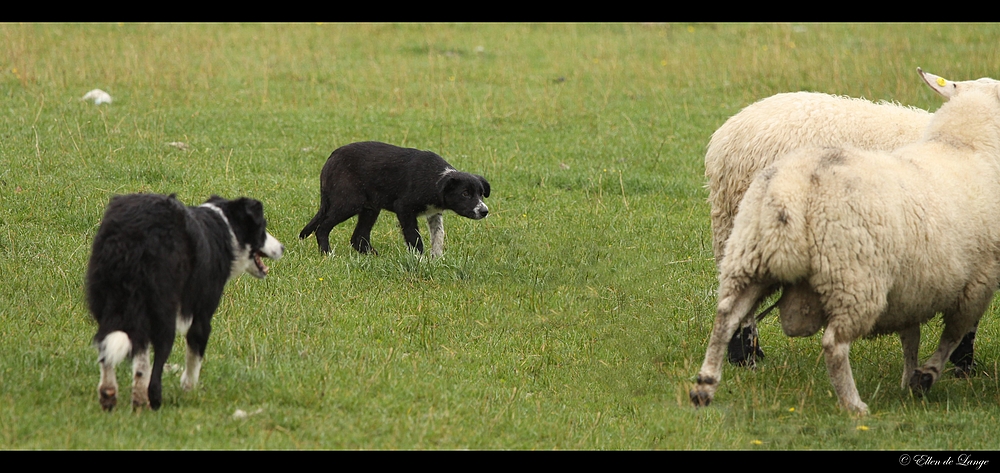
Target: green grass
(574, 317)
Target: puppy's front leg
(436, 226)
(408, 223)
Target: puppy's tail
(115, 347)
(311, 226)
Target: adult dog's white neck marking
(224, 220)
(238, 264)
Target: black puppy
(365, 178)
(159, 267)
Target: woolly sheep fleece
(766, 130)
(881, 241)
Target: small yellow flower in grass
(690, 29)
(320, 279)
(941, 81)
(791, 409)
(757, 442)
(451, 78)
(862, 428)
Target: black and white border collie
(159, 267)
(365, 178)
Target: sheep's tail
(770, 240)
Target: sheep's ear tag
(942, 86)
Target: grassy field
(574, 317)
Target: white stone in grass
(98, 96)
(240, 414)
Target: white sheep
(766, 130)
(867, 243)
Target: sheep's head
(949, 89)
(971, 116)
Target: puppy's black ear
(446, 184)
(486, 186)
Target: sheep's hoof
(860, 409)
(109, 397)
(921, 382)
(699, 397)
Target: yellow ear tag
(941, 81)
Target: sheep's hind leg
(909, 338)
(962, 357)
(957, 325)
(734, 306)
(925, 376)
(838, 366)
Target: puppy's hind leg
(361, 239)
(330, 220)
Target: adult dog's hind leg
(734, 306)
(163, 342)
(114, 348)
(107, 390)
(140, 379)
(197, 340)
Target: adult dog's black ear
(254, 209)
(486, 186)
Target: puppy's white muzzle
(481, 210)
